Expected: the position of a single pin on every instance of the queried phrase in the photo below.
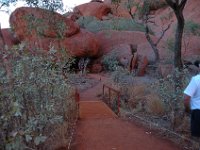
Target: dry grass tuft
(139, 90)
(155, 105)
(59, 137)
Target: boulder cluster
(43, 29)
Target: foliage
(166, 16)
(42, 25)
(83, 21)
(33, 98)
(53, 5)
(6, 3)
(121, 24)
(149, 5)
(116, 1)
(121, 76)
(156, 4)
(129, 4)
(110, 61)
(170, 44)
(171, 94)
(192, 28)
(155, 105)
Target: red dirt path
(100, 129)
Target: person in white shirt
(192, 102)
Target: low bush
(110, 61)
(121, 24)
(192, 28)
(170, 90)
(155, 105)
(35, 100)
(149, 5)
(156, 4)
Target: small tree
(146, 19)
(178, 6)
(154, 44)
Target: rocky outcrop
(34, 22)
(43, 30)
(95, 9)
(82, 44)
(9, 37)
(96, 68)
(120, 11)
(111, 39)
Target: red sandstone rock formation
(9, 37)
(96, 9)
(33, 22)
(82, 44)
(69, 37)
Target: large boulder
(9, 37)
(120, 11)
(145, 49)
(111, 39)
(107, 1)
(123, 54)
(82, 44)
(95, 9)
(33, 22)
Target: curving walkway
(100, 129)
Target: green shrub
(120, 24)
(170, 44)
(84, 21)
(192, 28)
(170, 90)
(156, 4)
(155, 105)
(34, 97)
(150, 5)
(110, 61)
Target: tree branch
(163, 33)
(2, 5)
(182, 4)
(171, 4)
(177, 2)
(148, 36)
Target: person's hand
(187, 103)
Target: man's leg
(195, 123)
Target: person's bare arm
(187, 103)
